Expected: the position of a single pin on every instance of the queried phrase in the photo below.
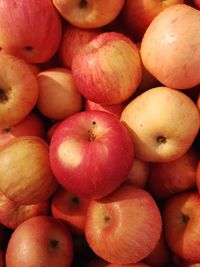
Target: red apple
(89, 13)
(172, 177)
(108, 69)
(26, 176)
(73, 40)
(181, 224)
(30, 29)
(12, 214)
(58, 96)
(180, 70)
(70, 208)
(164, 124)
(18, 90)
(137, 14)
(31, 125)
(115, 110)
(123, 227)
(89, 149)
(40, 241)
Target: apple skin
(181, 223)
(108, 69)
(123, 227)
(168, 178)
(73, 40)
(29, 30)
(180, 70)
(70, 208)
(40, 241)
(89, 148)
(58, 96)
(18, 90)
(31, 125)
(26, 173)
(152, 119)
(89, 14)
(137, 14)
(12, 214)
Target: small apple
(40, 241)
(89, 13)
(30, 30)
(164, 123)
(89, 149)
(108, 69)
(26, 176)
(180, 70)
(18, 90)
(181, 224)
(70, 208)
(123, 227)
(58, 96)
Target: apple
(180, 70)
(89, 149)
(32, 124)
(73, 40)
(58, 96)
(139, 173)
(12, 214)
(70, 208)
(123, 227)
(108, 69)
(164, 123)
(30, 30)
(40, 241)
(26, 176)
(181, 224)
(89, 14)
(167, 178)
(18, 90)
(115, 110)
(137, 14)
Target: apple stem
(3, 96)
(53, 243)
(161, 139)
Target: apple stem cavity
(161, 139)
(92, 136)
(29, 48)
(185, 218)
(54, 243)
(75, 200)
(6, 130)
(3, 96)
(83, 3)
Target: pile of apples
(99, 139)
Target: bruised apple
(30, 30)
(26, 176)
(164, 123)
(40, 241)
(123, 227)
(89, 149)
(108, 69)
(170, 50)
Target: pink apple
(40, 241)
(89, 13)
(180, 70)
(70, 208)
(115, 110)
(123, 227)
(58, 96)
(18, 90)
(29, 30)
(108, 69)
(137, 14)
(12, 214)
(73, 40)
(26, 176)
(89, 149)
(31, 125)
(139, 173)
(164, 123)
(172, 177)
(181, 224)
